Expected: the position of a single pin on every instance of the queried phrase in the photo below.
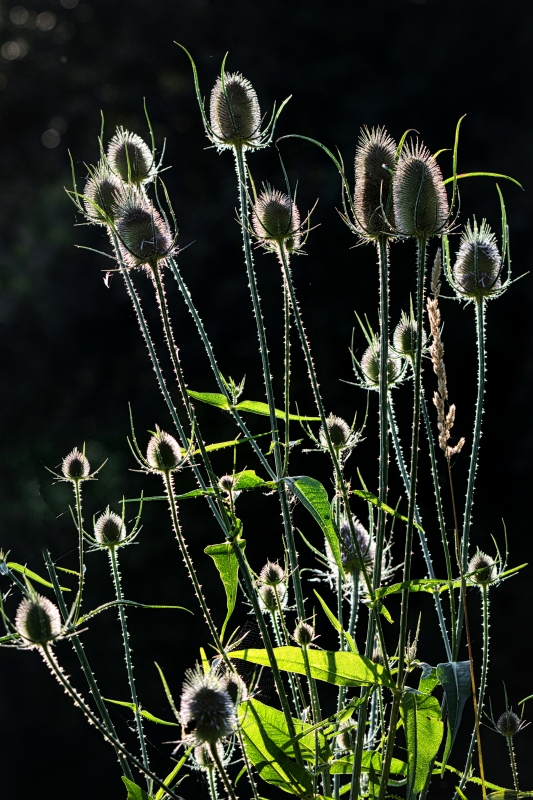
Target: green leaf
(416, 585)
(260, 732)
(336, 624)
(314, 497)
(275, 724)
(423, 728)
(454, 677)
(126, 603)
(371, 498)
(228, 567)
(33, 575)
(170, 777)
(340, 668)
(143, 713)
(344, 766)
(480, 175)
(248, 479)
(211, 398)
(135, 792)
(255, 407)
(210, 448)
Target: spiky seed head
(484, 569)
(404, 337)
(304, 634)
(346, 736)
(207, 712)
(227, 483)
(351, 561)
(235, 113)
(272, 574)
(235, 687)
(163, 453)
(477, 268)
(276, 219)
(419, 196)
(100, 193)
(109, 529)
(339, 432)
(38, 620)
(267, 597)
(370, 365)
(377, 655)
(508, 724)
(375, 158)
(130, 158)
(143, 232)
(203, 758)
(75, 466)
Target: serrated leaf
(344, 766)
(142, 712)
(416, 585)
(126, 603)
(454, 677)
(340, 668)
(375, 501)
(336, 624)
(255, 407)
(271, 762)
(228, 568)
(423, 728)
(314, 497)
(33, 576)
(211, 398)
(248, 479)
(135, 792)
(210, 448)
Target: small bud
(484, 569)
(346, 736)
(272, 574)
(267, 597)
(304, 634)
(276, 219)
(207, 712)
(478, 265)
(109, 529)
(130, 158)
(38, 620)
(404, 337)
(144, 234)
(101, 192)
(420, 200)
(163, 453)
(227, 483)
(235, 687)
(75, 466)
(339, 432)
(370, 365)
(234, 111)
(375, 159)
(509, 724)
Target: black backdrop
(72, 356)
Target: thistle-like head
(109, 529)
(509, 724)
(38, 620)
(375, 159)
(234, 112)
(276, 221)
(271, 598)
(163, 453)
(419, 196)
(144, 235)
(370, 366)
(75, 467)
(100, 194)
(272, 574)
(404, 337)
(207, 712)
(304, 634)
(478, 265)
(483, 568)
(130, 158)
(339, 432)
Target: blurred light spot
(69, 3)
(50, 138)
(58, 124)
(84, 12)
(107, 93)
(3, 81)
(46, 21)
(11, 51)
(19, 15)
(63, 59)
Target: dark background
(72, 356)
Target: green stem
(222, 771)
(127, 653)
(513, 762)
(287, 380)
(283, 640)
(317, 716)
(79, 518)
(212, 783)
(383, 254)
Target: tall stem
(79, 523)
(127, 654)
(383, 255)
(222, 771)
(513, 762)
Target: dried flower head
(404, 337)
(268, 600)
(163, 453)
(235, 687)
(419, 196)
(234, 111)
(75, 466)
(144, 234)
(100, 194)
(484, 569)
(509, 724)
(272, 574)
(207, 712)
(38, 620)
(478, 266)
(304, 634)
(339, 432)
(370, 366)
(109, 529)
(346, 736)
(276, 220)
(227, 483)
(131, 158)
(351, 560)
(375, 158)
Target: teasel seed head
(419, 196)
(272, 574)
(38, 620)
(163, 453)
(75, 466)
(130, 158)
(375, 158)
(276, 220)
(203, 757)
(235, 687)
(109, 529)
(346, 736)
(478, 266)
(404, 337)
(339, 432)
(100, 193)
(267, 597)
(235, 114)
(227, 483)
(509, 724)
(207, 712)
(304, 634)
(142, 230)
(370, 365)
(351, 561)
(484, 569)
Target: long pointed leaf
(314, 497)
(135, 792)
(423, 727)
(454, 677)
(33, 576)
(142, 712)
(227, 565)
(336, 624)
